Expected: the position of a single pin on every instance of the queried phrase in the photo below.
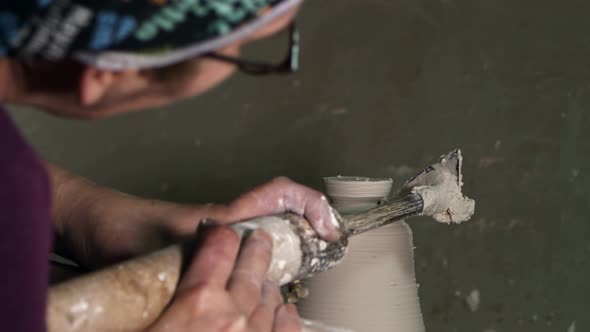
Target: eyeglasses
(289, 65)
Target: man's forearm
(71, 197)
(96, 225)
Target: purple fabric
(25, 232)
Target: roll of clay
(374, 289)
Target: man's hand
(224, 290)
(283, 195)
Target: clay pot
(374, 289)
(355, 194)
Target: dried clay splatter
(439, 186)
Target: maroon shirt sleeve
(25, 233)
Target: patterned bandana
(123, 34)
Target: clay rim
(360, 179)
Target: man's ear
(94, 83)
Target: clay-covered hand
(283, 195)
(223, 289)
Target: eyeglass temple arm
(292, 60)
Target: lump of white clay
(572, 327)
(472, 300)
(439, 186)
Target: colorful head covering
(122, 34)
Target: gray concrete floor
(385, 87)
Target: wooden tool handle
(390, 210)
(125, 297)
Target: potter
(94, 59)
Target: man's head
(121, 79)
